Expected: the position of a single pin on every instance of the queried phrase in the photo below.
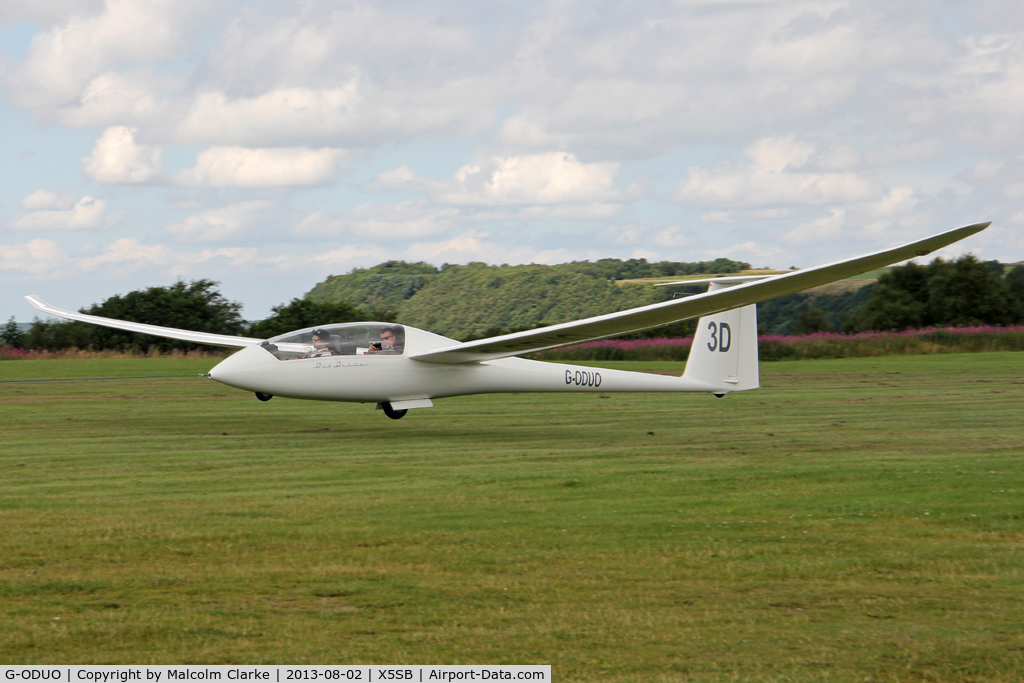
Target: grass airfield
(855, 520)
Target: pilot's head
(320, 338)
(388, 338)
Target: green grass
(855, 520)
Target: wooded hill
(478, 299)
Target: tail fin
(723, 357)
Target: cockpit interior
(346, 339)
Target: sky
(268, 145)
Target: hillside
(384, 286)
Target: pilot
(391, 342)
(320, 340)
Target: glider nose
(243, 369)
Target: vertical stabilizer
(723, 357)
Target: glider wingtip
(944, 239)
(975, 227)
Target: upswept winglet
(654, 315)
(142, 328)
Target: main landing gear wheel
(392, 413)
(264, 397)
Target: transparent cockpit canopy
(345, 339)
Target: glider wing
(171, 332)
(728, 298)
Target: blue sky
(268, 145)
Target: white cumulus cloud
(471, 246)
(348, 256)
(550, 178)
(85, 214)
(379, 223)
(285, 112)
(43, 199)
(116, 158)
(546, 178)
(584, 211)
(218, 225)
(273, 167)
(116, 98)
(772, 177)
(893, 218)
(37, 257)
(672, 238)
(62, 60)
(126, 254)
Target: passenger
(391, 342)
(320, 340)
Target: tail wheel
(392, 413)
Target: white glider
(399, 367)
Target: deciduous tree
(963, 292)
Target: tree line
(478, 300)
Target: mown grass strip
(855, 519)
